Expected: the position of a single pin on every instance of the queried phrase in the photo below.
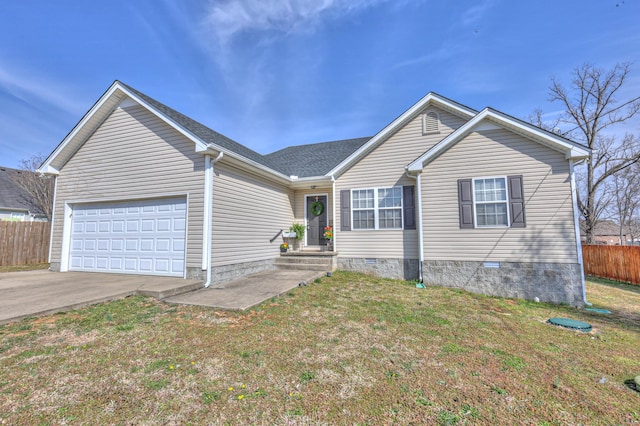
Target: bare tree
(39, 187)
(590, 108)
(626, 193)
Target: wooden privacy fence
(24, 243)
(620, 263)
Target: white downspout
(418, 201)
(53, 215)
(576, 225)
(207, 231)
(333, 208)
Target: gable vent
(430, 123)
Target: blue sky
(270, 74)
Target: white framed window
(377, 208)
(490, 202)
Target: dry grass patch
(351, 349)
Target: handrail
(277, 235)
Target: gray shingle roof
(302, 161)
(314, 159)
(12, 196)
(200, 130)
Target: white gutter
(576, 225)
(207, 231)
(333, 207)
(418, 201)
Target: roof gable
(204, 138)
(431, 99)
(490, 119)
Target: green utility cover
(570, 323)
(598, 311)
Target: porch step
(312, 261)
(303, 266)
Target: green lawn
(350, 349)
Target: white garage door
(135, 237)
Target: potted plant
(328, 235)
(284, 247)
(299, 230)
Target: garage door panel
(141, 237)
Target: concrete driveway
(30, 293)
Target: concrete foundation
(402, 269)
(549, 282)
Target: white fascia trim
(306, 182)
(200, 145)
(398, 122)
(576, 224)
(571, 151)
(46, 166)
(216, 149)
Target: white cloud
(476, 13)
(228, 18)
(35, 89)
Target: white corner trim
(65, 251)
(333, 212)
(576, 224)
(53, 215)
(46, 166)
(418, 201)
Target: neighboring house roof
(12, 196)
(605, 228)
(314, 159)
(489, 119)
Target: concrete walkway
(248, 291)
(30, 293)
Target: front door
(316, 219)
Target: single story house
(446, 194)
(607, 232)
(16, 203)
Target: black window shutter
(345, 210)
(465, 203)
(409, 206)
(516, 202)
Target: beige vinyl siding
(549, 235)
(134, 155)
(247, 212)
(385, 167)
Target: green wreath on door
(317, 208)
